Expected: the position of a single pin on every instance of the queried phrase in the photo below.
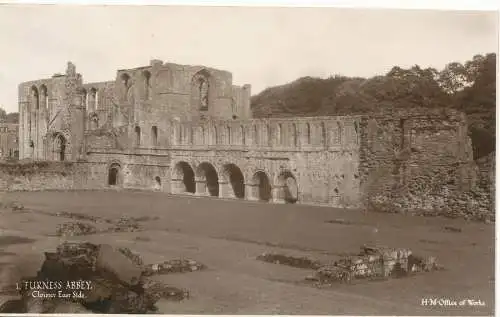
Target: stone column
(251, 192)
(201, 188)
(278, 194)
(226, 190)
(177, 186)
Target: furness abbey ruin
(188, 130)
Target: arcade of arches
(230, 182)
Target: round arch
(288, 187)
(207, 173)
(59, 144)
(184, 172)
(232, 174)
(261, 181)
(114, 174)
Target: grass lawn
(228, 235)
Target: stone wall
(420, 162)
(40, 176)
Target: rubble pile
(71, 229)
(373, 263)
(134, 257)
(96, 279)
(298, 262)
(77, 216)
(125, 224)
(173, 266)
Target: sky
(260, 46)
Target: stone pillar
(226, 190)
(251, 192)
(201, 188)
(177, 186)
(278, 194)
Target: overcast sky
(260, 46)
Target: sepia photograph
(247, 160)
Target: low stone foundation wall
(34, 176)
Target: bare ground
(227, 236)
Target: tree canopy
(469, 87)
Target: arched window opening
(323, 134)
(203, 131)
(278, 134)
(137, 136)
(35, 102)
(43, 97)
(125, 79)
(215, 136)
(147, 85)
(201, 89)
(339, 133)
(92, 102)
(294, 134)
(114, 174)
(84, 99)
(255, 135)
(308, 133)
(228, 135)
(269, 135)
(154, 136)
(157, 182)
(242, 133)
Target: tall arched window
(323, 134)
(147, 85)
(228, 135)
(43, 97)
(201, 88)
(137, 136)
(125, 78)
(154, 136)
(256, 135)
(339, 133)
(279, 129)
(84, 99)
(35, 101)
(308, 133)
(92, 102)
(294, 134)
(242, 134)
(203, 135)
(215, 135)
(269, 135)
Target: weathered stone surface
(173, 266)
(134, 257)
(299, 262)
(70, 229)
(372, 263)
(111, 260)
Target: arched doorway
(185, 173)
(114, 174)
(157, 185)
(289, 191)
(59, 147)
(235, 179)
(207, 172)
(261, 180)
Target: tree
(12, 117)
(3, 114)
